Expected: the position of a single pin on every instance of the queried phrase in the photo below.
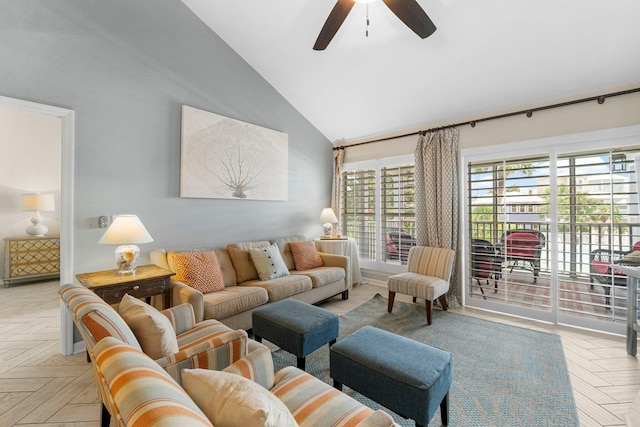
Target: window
(379, 210)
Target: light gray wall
(126, 67)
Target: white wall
(31, 148)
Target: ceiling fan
(409, 12)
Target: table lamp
(126, 231)
(37, 202)
(329, 220)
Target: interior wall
(619, 111)
(30, 144)
(126, 67)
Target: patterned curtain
(436, 186)
(338, 161)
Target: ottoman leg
(444, 410)
(337, 385)
(301, 363)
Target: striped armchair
(429, 271)
(208, 344)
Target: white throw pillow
(229, 400)
(268, 262)
(152, 328)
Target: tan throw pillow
(229, 400)
(305, 255)
(200, 270)
(152, 328)
(268, 262)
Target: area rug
(502, 375)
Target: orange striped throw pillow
(200, 270)
(305, 255)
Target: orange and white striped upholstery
(141, 393)
(256, 366)
(209, 344)
(315, 403)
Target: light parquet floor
(39, 387)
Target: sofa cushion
(200, 270)
(282, 287)
(285, 250)
(218, 305)
(305, 255)
(231, 400)
(241, 259)
(268, 262)
(322, 276)
(228, 273)
(152, 329)
(131, 378)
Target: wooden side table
(111, 286)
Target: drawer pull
(135, 288)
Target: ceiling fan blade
(333, 23)
(414, 17)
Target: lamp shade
(327, 215)
(38, 202)
(126, 230)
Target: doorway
(67, 128)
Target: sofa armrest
(256, 366)
(182, 317)
(183, 294)
(215, 353)
(377, 419)
(342, 261)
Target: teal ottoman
(410, 378)
(296, 327)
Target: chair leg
(443, 302)
(429, 307)
(392, 297)
(105, 417)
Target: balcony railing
(575, 241)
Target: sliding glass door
(543, 230)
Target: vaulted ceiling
(485, 56)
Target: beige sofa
(244, 291)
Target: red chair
(522, 247)
(600, 261)
(485, 263)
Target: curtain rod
(529, 112)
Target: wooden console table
(31, 258)
(111, 286)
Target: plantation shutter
(397, 212)
(359, 208)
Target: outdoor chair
(485, 263)
(522, 247)
(427, 277)
(600, 261)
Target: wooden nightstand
(111, 286)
